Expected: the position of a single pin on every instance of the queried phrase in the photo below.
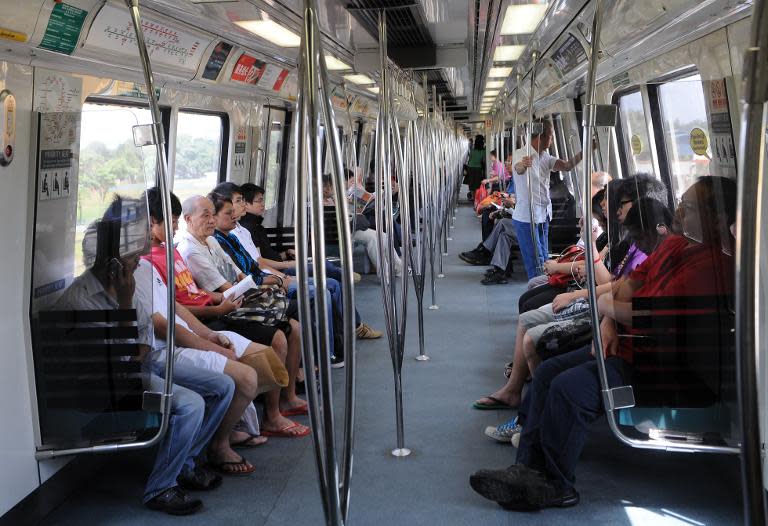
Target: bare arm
(570, 164)
(187, 338)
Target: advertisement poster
(723, 149)
(63, 28)
(248, 70)
(216, 61)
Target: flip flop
(497, 404)
(246, 442)
(285, 431)
(221, 467)
(296, 411)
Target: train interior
(278, 93)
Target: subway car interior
(435, 262)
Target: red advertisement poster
(280, 80)
(248, 69)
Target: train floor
(468, 339)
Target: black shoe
(174, 501)
(336, 363)
(494, 278)
(470, 197)
(539, 495)
(199, 479)
(473, 258)
(506, 486)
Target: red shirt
(678, 268)
(187, 292)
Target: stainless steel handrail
(752, 159)
(313, 81)
(610, 395)
(162, 166)
(395, 313)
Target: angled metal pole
(314, 101)
(529, 174)
(749, 339)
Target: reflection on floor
(469, 339)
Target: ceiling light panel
(334, 64)
(490, 93)
(508, 53)
(522, 19)
(271, 31)
(359, 79)
(499, 72)
(494, 84)
(374, 89)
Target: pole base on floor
(401, 452)
(445, 253)
(422, 358)
(434, 307)
(441, 275)
(449, 239)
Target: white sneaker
(508, 432)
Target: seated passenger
(200, 397)
(566, 392)
(333, 272)
(509, 395)
(212, 307)
(224, 222)
(367, 236)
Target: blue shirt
(239, 255)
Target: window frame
(224, 147)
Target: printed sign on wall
(63, 28)
(248, 69)
(216, 61)
(113, 30)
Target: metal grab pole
(334, 488)
(394, 314)
(418, 255)
(529, 175)
(433, 178)
(752, 157)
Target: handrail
(395, 313)
(619, 397)
(162, 166)
(313, 80)
(752, 159)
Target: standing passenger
(540, 163)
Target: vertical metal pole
(433, 218)
(394, 313)
(418, 256)
(752, 168)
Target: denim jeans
(200, 399)
(333, 273)
(565, 398)
(533, 267)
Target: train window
(634, 133)
(200, 139)
(686, 131)
(109, 163)
(274, 158)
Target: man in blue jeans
(536, 203)
(200, 398)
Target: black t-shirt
(259, 234)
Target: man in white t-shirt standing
(534, 242)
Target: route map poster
(113, 30)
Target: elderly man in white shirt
(536, 203)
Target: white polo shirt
(542, 204)
(246, 239)
(210, 265)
